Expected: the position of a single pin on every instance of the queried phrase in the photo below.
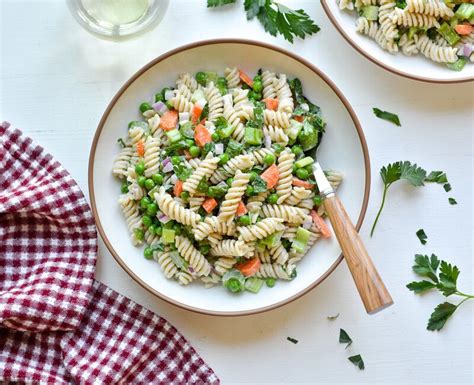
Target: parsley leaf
(385, 115)
(218, 3)
(447, 187)
(426, 266)
(396, 171)
(420, 286)
(422, 236)
(332, 317)
(452, 201)
(292, 340)
(448, 277)
(357, 361)
(437, 177)
(182, 172)
(440, 315)
(259, 185)
(276, 18)
(344, 338)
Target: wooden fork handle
(372, 290)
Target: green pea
(163, 92)
(270, 282)
(194, 151)
(158, 179)
(243, 220)
(159, 230)
(140, 168)
(148, 252)
(178, 229)
(145, 107)
(229, 181)
(317, 200)
(152, 229)
(159, 98)
(221, 82)
(257, 86)
(249, 191)
(149, 184)
(124, 187)
(139, 234)
(258, 96)
(204, 249)
(152, 209)
(252, 95)
(141, 181)
(201, 78)
(296, 149)
(272, 199)
(309, 168)
(302, 173)
(277, 147)
(257, 78)
(169, 105)
(184, 195)
(253, 176)
(144, 202)
(190, 142)
(269, 159)
(175, 159)
(215, 137)
(295, 168)
(146, 220)
(223, 159)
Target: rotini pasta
(288, 213)
(285, 167)
(175, 211)
(261, 229)
(197, 262)
(204, 171)
(233, 197)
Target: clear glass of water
(117, 18)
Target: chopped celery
(465, 11)
(253, 284)
(174, 135)
(301, 239)
(272, 240)
(178, 261)
(371, 12)
(253, 135)
(304, 162)
(294, 129)
(186, 130)
(458, 65)
(168, 236)
(234, 280)
(412, 32)
(198, 95)
(448, 33)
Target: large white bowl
(343, 148)
(415, 67)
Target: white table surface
(56, 80)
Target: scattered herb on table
(332, 317)
(452, 201)
(344, 338)
(121, 142)
(445, 281)
(422, 236)
(276, 18)
(385, 115)
(357, 361)
(437, 177)
(447, 187)
(292, 340)
(397, 171)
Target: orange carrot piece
(169, 120)
(250, 267)
(209, 204)
(301, 183)
(178, 188)
(464, 29)
(299, 119)
(140, 148)
(271, 104)
(196, 113)
(245, 78)
(271, 176)
(320, 224)
(241, 209)
(201, 135)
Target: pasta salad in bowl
(437, 34)
(213, 185)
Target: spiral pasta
(261, 229)
(195, 202)
(214, 101)
(254, 205)
(435, 52)
(175, 211)
(276, 134)
(204, 171)
(283, 92)
(181, 104)
(272, 270)
(279, 254)
(122, 162)
(277, 118)
(233, 197)
(196, 260)
(167, 265)
(213, 225)
(435, 8)
(408, 19)
(288, 213)
(232, 77)
(152, 156)
(241, 162)
(269, 90)
(231, 247)
(297, 195)
(188, 80)
(132, 216)
(286, 161)
(184, 278)
(259, 155)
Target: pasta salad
(216, 183)
(440, 30)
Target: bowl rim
(183, 48)
(376, 61)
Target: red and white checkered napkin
(58, 325)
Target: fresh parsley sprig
(276, 18)
(445, 281)
(397, 171)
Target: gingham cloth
(58, 325)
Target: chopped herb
(344, 338)
(234, 148)
(292, 340)
(422, 236)
(259, 185)
(452, 201)
(121, 142)
(182, 172)
(218, 3)
(447, 187)
(208, 147)
(385, 115)
(437, 177)
(393, 172)
(445, 281)
(357, 361)
(332, 317)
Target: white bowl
(343, 148)
(415, 67)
